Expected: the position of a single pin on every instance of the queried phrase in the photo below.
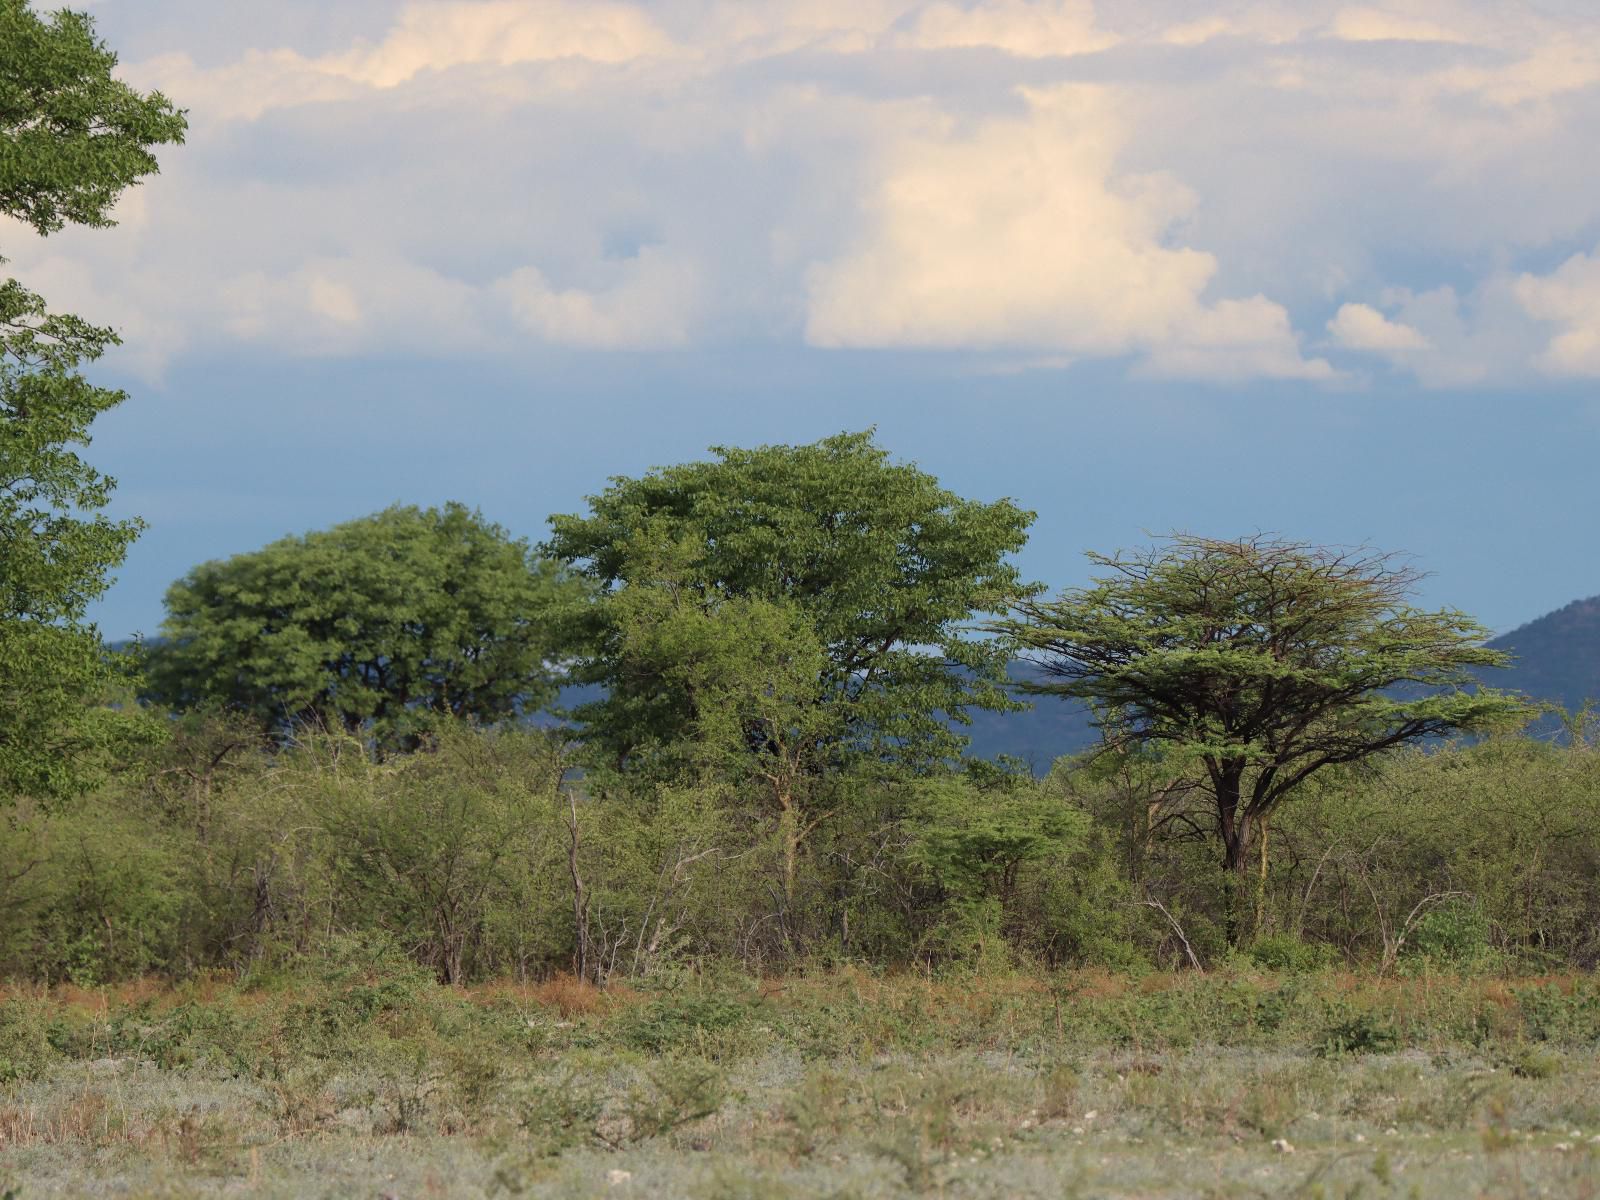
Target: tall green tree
(1258, 662)
(72, 139)
(872, 567)
(791, 611)
(379, 625)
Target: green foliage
(972, 846)
(1454, 934)
(1285, 952)
(25, 1048)
(868, 562)
(1254, 664)
(381, 624)
(681, 1020)
(422, 842)
(676, 1092)
(218, 849)
(72, 138)
(1359, 1033)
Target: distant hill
(1038, 736)
(1557, 657)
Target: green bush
(25, 1049)
(1285, 952)
(1360, 1033)
(678, 1020)
(1454, 934)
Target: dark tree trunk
(1234, 826)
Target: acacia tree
(790, 612)
(72, 139)
(1259, 662)
(378, 624)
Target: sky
(1320, 269)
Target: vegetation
(335, 899)
(364, 1078)
(1261, 662)
(72, 139)
(382, 624)
(829, 557)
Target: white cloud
(1362, 327)
(1563, 64)
(353, 304)
(426, 37)
(652, 303)
(438, 36)
(485, 175)
(1379, 25)
(1021, 233)
(1029, 28)
(1569, 297)
(1444, 338)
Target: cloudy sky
(1325, 269)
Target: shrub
(25, 1048)
(1362, 1033)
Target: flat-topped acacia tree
(1259, 662)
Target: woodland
(417, 856)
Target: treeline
(332, 736)
(220, 851)
(333, 740)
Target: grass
(369, 1080)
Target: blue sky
(1330, 270)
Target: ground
(832, 1085)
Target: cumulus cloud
(438, 36)
(1444, 337)
(1021, 233)
(1378, 25)
(1183, 185)
(1570, 298)
(1362, 327)
(346, 305)
(650, 304)
(1029, 28)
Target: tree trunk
(1261, 884)
(789, 836)
(580, 899)
(1234, 827)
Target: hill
(1556, 658)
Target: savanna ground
(369, 1079)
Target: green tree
(72, 139)
(789, 612)
(1259, 662)
(879, 565)
(752, 672)
(379, 624)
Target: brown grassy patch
(567, 994)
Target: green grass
(374, 1081)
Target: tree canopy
(868, 568)
(1259, 662)
(376, 625)
(72, 139)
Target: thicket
(488, 854)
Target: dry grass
(847, 1084)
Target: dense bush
(490, 854)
